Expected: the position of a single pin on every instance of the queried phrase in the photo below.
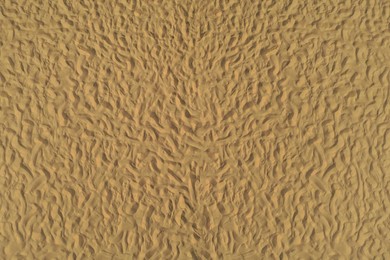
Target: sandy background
(194, 129)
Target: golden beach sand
(222, 129)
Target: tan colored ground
(194, 129)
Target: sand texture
(209, 129)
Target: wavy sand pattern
(194, 129)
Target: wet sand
(194, 129)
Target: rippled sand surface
(208, 129)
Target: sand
(194, 129)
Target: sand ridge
(194, 129)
